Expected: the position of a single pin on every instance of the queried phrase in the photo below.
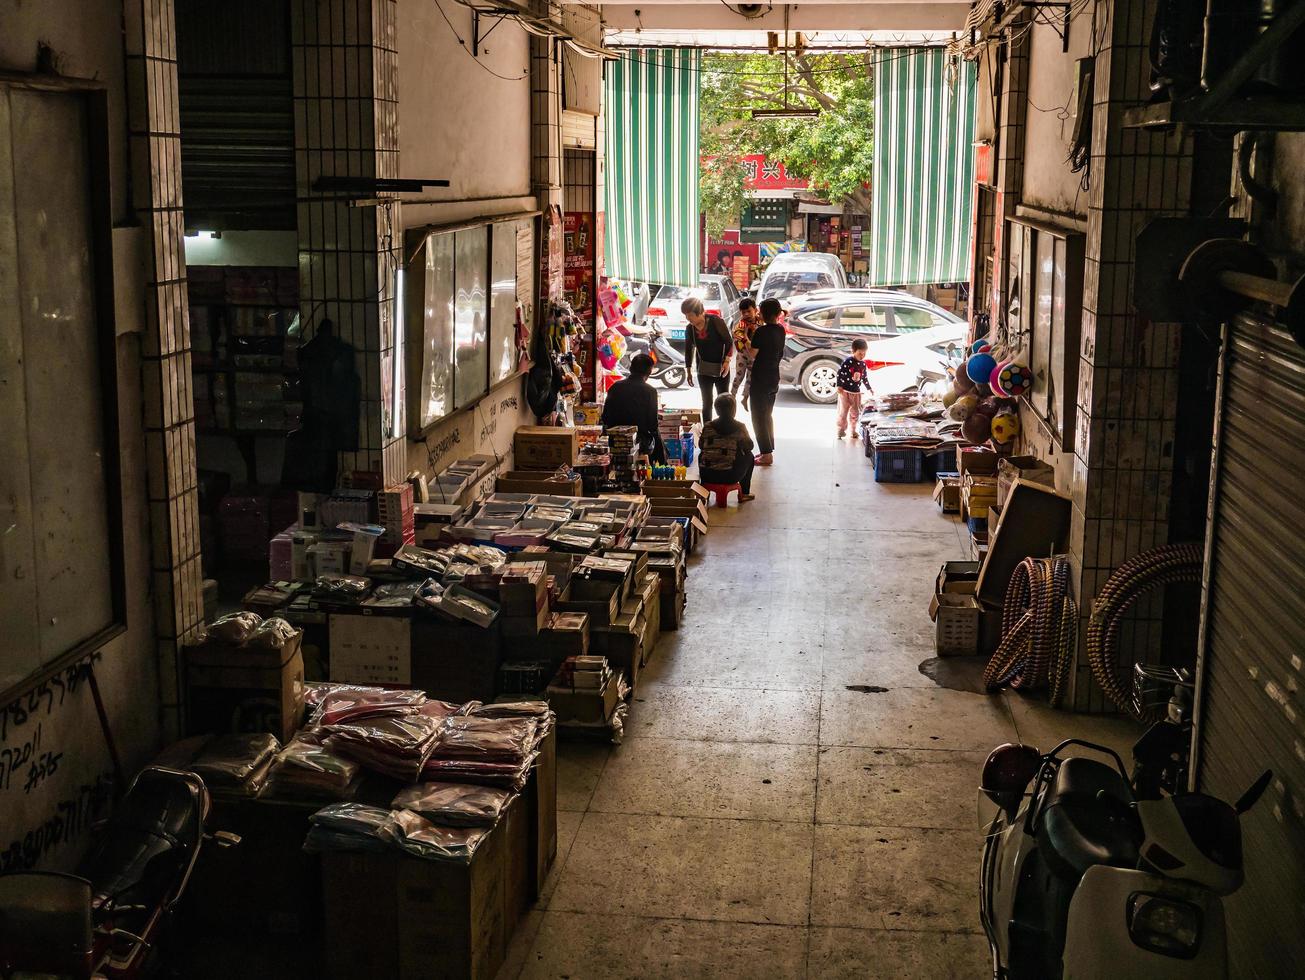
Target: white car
(719, 295)
(792, 275)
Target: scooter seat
(1087, 819)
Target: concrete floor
(762, 819)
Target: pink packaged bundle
(394, 745)
(338, 703)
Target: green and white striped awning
(923, 189)
(652, 166)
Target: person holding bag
(709, 340)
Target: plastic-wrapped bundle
(491, 739)
(233, 629)
(394, 594)
(338, 703)
(230, 760)
(342, 588)
(423, 839)
(304, 769)
(447, 709)
(395, 746)
(351, 827)
(272, 634)
(454, 804)
(507, 775)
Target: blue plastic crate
(675, 449)
(940, 461)
(687, 446)
(898, 465)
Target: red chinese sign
(764, 174)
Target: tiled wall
(150, 44)
(1009, 178)
(546, 148)
(1123, 465)
(347, 124)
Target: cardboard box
(947, 493)
(398, 916)
(1034, 523)
(372, 646)
(544, 447)
(994, 518)
(535, 481)
(601, 611)
(540, 796)
(1030, 468)
(455, 662)
(976, 460)
(585, 707)
(523, 588)
(521, 627)
(235, 689)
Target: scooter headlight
(1163, 925)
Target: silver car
(719, 295)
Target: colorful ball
(949, 397)
(994, 379)
(1015, 378)
(979, 367)
(962, 408)
(977, 428)
(980, 346)
(1005, 427)
(964, 383)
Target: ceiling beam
(805, 17)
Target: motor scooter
(668, 363)
(106, 920)
(1089, 874)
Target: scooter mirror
(1008, 771)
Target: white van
(794, 274)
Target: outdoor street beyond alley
(793, 797)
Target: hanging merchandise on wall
(580, 288)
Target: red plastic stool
(722, 491)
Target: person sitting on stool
(633, 401)
(725, 456)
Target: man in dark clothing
(708, 339)
(726, 454)
(768, 346)
(633, 401)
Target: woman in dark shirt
(768, 345)
(710, 341)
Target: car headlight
(1164, 925)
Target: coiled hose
(1039, 632)
(1139, 575)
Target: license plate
(674, 333)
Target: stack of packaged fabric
(358, 827)
(306, 770)
(236, 765)
(396, 745)
(491, 745)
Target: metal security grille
(923, 185)
(1252, 711)
(652, 166)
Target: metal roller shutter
(1252, 712)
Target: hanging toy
(977, 428)
(980, 346)
(994, 380)
(979, 367)
(1015, 378)
(962, 408)
(1005, 426)
(610, 348)
(964, 383)
(949, 397)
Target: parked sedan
(719, 295)
(910, 340)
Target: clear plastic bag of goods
(447, 709)
(422, 561)
(342, 588)
(229, 760)
(395, 746)
(302, 754)
(506, 775)
(495, 739)
(271, 635)
(454, 804)
(334, 704)
(421, 838)
(233, 629)
(351, 827)
(394, 594)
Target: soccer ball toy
(994, 379)
(1015, 379)
(1005, 427)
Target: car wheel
(820, 382)
(674, 377)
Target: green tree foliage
(833, 150)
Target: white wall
(1048, 182)
(48, 823)
(458, 121)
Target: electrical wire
(462, 42)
